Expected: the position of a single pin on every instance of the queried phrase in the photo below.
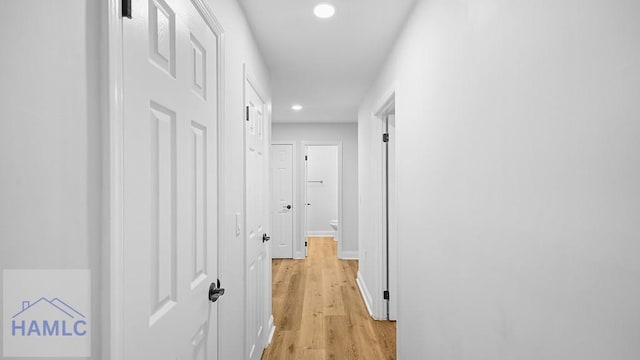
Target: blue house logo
(48, 317)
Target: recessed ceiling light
(324, 11)
(296, 107)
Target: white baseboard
(349, 255)
(322, 233)
(364, 292)
(272, 330)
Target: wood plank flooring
(319, 313)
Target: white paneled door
(258, 278)
(282, 200)
(170, 182)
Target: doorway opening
(387, 118)
(322, 186)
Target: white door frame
(294, 203)
(384, 309)
(303, 181)
(113, 174)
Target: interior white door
(170, 182)
(257, 248)
(282, 200)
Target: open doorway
(322, 186)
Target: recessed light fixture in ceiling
(296, 107)
(324, 10)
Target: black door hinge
(305, 243)
(247, 113)
(385, 294)
(385, 137)
(306, 158)
(126, 9)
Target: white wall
(518, 171)
(240, 48)
(50, 140)
(322, 165)
(347, 133)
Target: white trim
(364, 292)
(272, 330)
(304, 145)
(209, 18)
(294, 203)
(393, 223)
(395, 270)
(324, 233)
(114, 175)
(349, 255)
(248, 77)
(385, 102)
(114, 180)
(215, 25)
(245, 306)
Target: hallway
(155, 159)
(319, 313)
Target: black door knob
(265, 238)
(215, 291)
(289, 207)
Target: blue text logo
(48, 317)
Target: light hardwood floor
(319, 313)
